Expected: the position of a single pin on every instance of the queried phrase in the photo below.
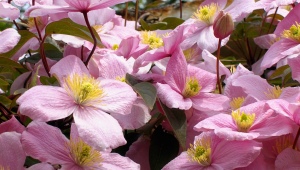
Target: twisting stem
(126, 14)
(136, 13)
(296, 139)
(273, 18)
(217, 67)
(180, 9)
(37, 28)
(93, 36)
(43, 56)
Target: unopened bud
(223, 25)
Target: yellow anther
(292, 33)
(242, 120)
(192, 87)
(237, 102)
(206, 13)
(274, 92)
(200, 152)
(152, 39)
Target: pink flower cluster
(102, 86)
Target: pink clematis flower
(87, 98)
(211, 152)
(254, 121)
(186, 86)
(288, 159)
(46, 143)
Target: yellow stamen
(274, 92)
(115, 47)
(84, 89)
(293, 33)
(200, 152)
(152, 39)
(236, 102)
(192, 87)
(242, 120)
(122, 79)
(83, 154)
(206, 13)
(98, 28)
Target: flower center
(192, 87)
(122, 79)
(152, 39)
(98, 28)
(237, 102)
(293, 33)
(84, 89)
(115, 47)
(274, 92)
(200, 152)
(242, 120)
(206, 13)
(83, 154)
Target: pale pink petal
(73, 41)
(182, 162)
(98, 129)
(128, 46)
(238, 10)
(12, 125)
(171, 98)
(118, 97)
(139, 152)
(229, 134)
(43, 166)
(9, 38)
(42, 10)
(32, 44)
(288, 159)
(294, 64)
(20, 82)
(229, 155)
(138, 116)
(290, 94)
(9, 11)
(265, 41)
(176, 72)
(45, 143)
(207, 80)
(216, 122)
(12, 154)
(45, 103)
(117, 162)
(67, 66)
(288, 21)
(210, 102)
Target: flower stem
(180, 9)
(93, 36)
(296, 139)
(218, 67)
(43, 56)
(136, 13)
(126, 14)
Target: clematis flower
(211, 152)
(186, 86)
(87, 98)
(46, 143)
(254, 121)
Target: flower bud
(223, 25)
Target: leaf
(172, 22)
(25, 36)
(3, 82)
(163, 148)
(5, 101)
(68, 27)
(50, 51)
(49, 80)
(147, 91)
(279, 72)
(6, 62)
(131, 80)
(177, 120)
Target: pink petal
(288, 21)
(230, 134)
(68, 65)
(45, 103)
(265, 41)
(288, 159)
(118, 97)
(207, 80)
(105, 3)
(139, 152)
(210, 102)
(171, 98)
(43, 166)
(117, 162)
(42, 10)
(138, 116)
(12, 154)
(294, 64)
(7, 10)
(216, 122)
(20, 82)
(12, 125)
(182, 162)
(98, 129)
(128, 46)
(45, 143)
(9, 38)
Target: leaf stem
(93, 36)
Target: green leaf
(25, 36)
(177, 120)
(49, 80)
(131, 80)
(147, 91)
(172, 22)
(3, 82)
(144, 25)
(68, 27)
(51, 52)
(6, 62)
(163, 148)
(279, 72)
(5, 101)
